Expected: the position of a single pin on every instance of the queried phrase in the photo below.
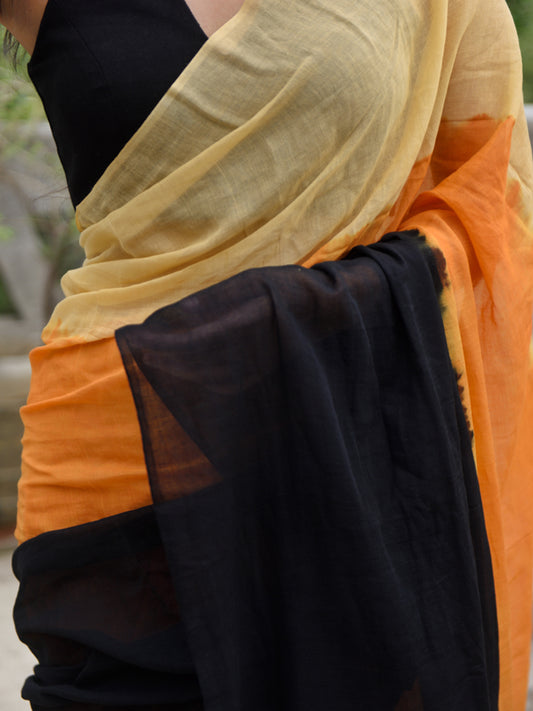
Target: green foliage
(7, 307)
(18, 99)
(522, 11)
(526, 43)
(6, 232)
(21, 112)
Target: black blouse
(100, 67)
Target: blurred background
(38, 243)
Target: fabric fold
(299, 131)
(317, 536)
(337, 491)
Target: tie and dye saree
(266, 452)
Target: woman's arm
(212, 14)
(22, 18)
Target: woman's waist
(82, 451)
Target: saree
(296, 133)
(323, 551)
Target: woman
(23, 19)
(164, 461)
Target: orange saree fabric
(360, 128)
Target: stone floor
(16, 660)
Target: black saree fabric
(317, 530)
(97, 609)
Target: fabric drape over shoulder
(294, 133)
(300, 130)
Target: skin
(23, 17)
(212, 14)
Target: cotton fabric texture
(297, 132)
(322, 526)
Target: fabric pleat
(317, 523)
(299, 131)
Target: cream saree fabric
(304, 127)
(296, 127)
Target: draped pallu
(299, 131)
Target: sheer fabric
(317, 536)
(298, 131)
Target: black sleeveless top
(100, 67)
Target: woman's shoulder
(23, 19)
(212, 15)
